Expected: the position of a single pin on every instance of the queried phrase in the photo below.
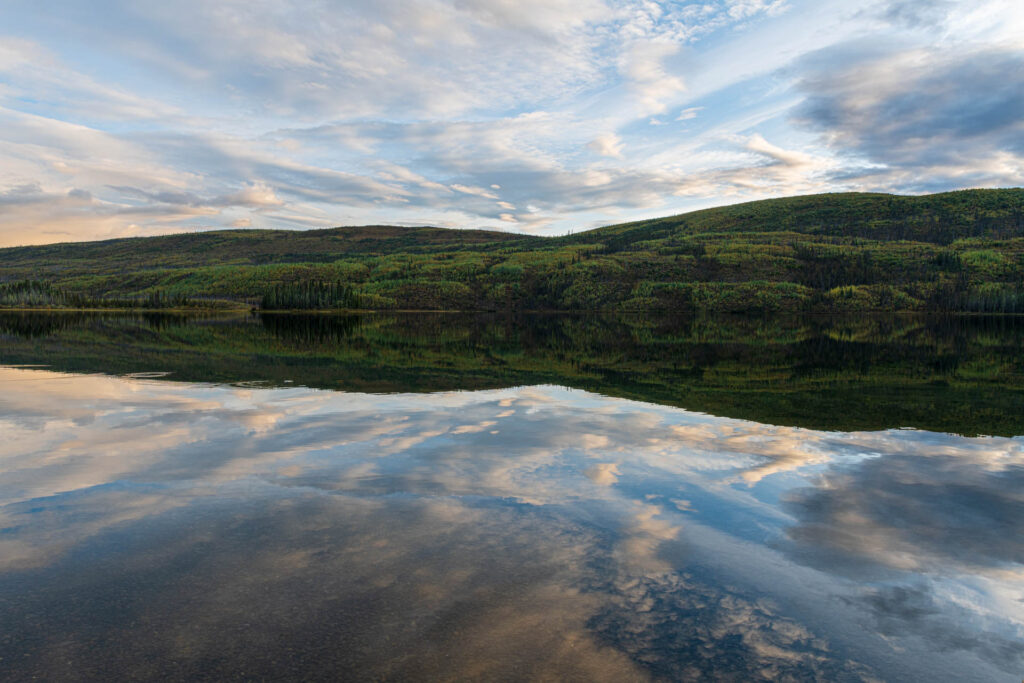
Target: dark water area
(961, 374)
(428, 497)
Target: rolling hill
(961, 251)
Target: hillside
(952, 251)
(226, 247)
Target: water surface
(230, 523)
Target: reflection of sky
(542, 530)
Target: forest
(955, 251)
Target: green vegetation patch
(956, 251)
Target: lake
(430, 496)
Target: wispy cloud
(279, 114)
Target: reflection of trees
(311, 330)
(960, 374)
(30, 324)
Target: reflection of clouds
(470, 592)
(923, 506)
(644, 534)
(915, 611)
(409, 495)
(782, 448)
(473, 429)
(63, 435)
(945, 507)
(69, 434)
(593, 441)
(52, 534)
(604, 473)
(422, 589)
(687, 628)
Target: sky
(136, 117)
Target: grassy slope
(954, 251)
(938, 218)
(227, 247)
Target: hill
(959, 251)
(226, 247)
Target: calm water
(435, 497)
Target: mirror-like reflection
(955, 374)
(156, 529)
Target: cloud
(477, 191)
(35, 71)
(689, 113)
(776, 154)
(742, 9)
(607, 145)
(920, 119)
(26, 193)
(388, 112)
(644, 68)
(371, 59)
(917, 13)
(257, 195)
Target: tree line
(39, 294)
(309, 295)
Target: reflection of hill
(961, 374)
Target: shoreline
(406, 311)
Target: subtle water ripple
(155, 529)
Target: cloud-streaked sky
(126, 118)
